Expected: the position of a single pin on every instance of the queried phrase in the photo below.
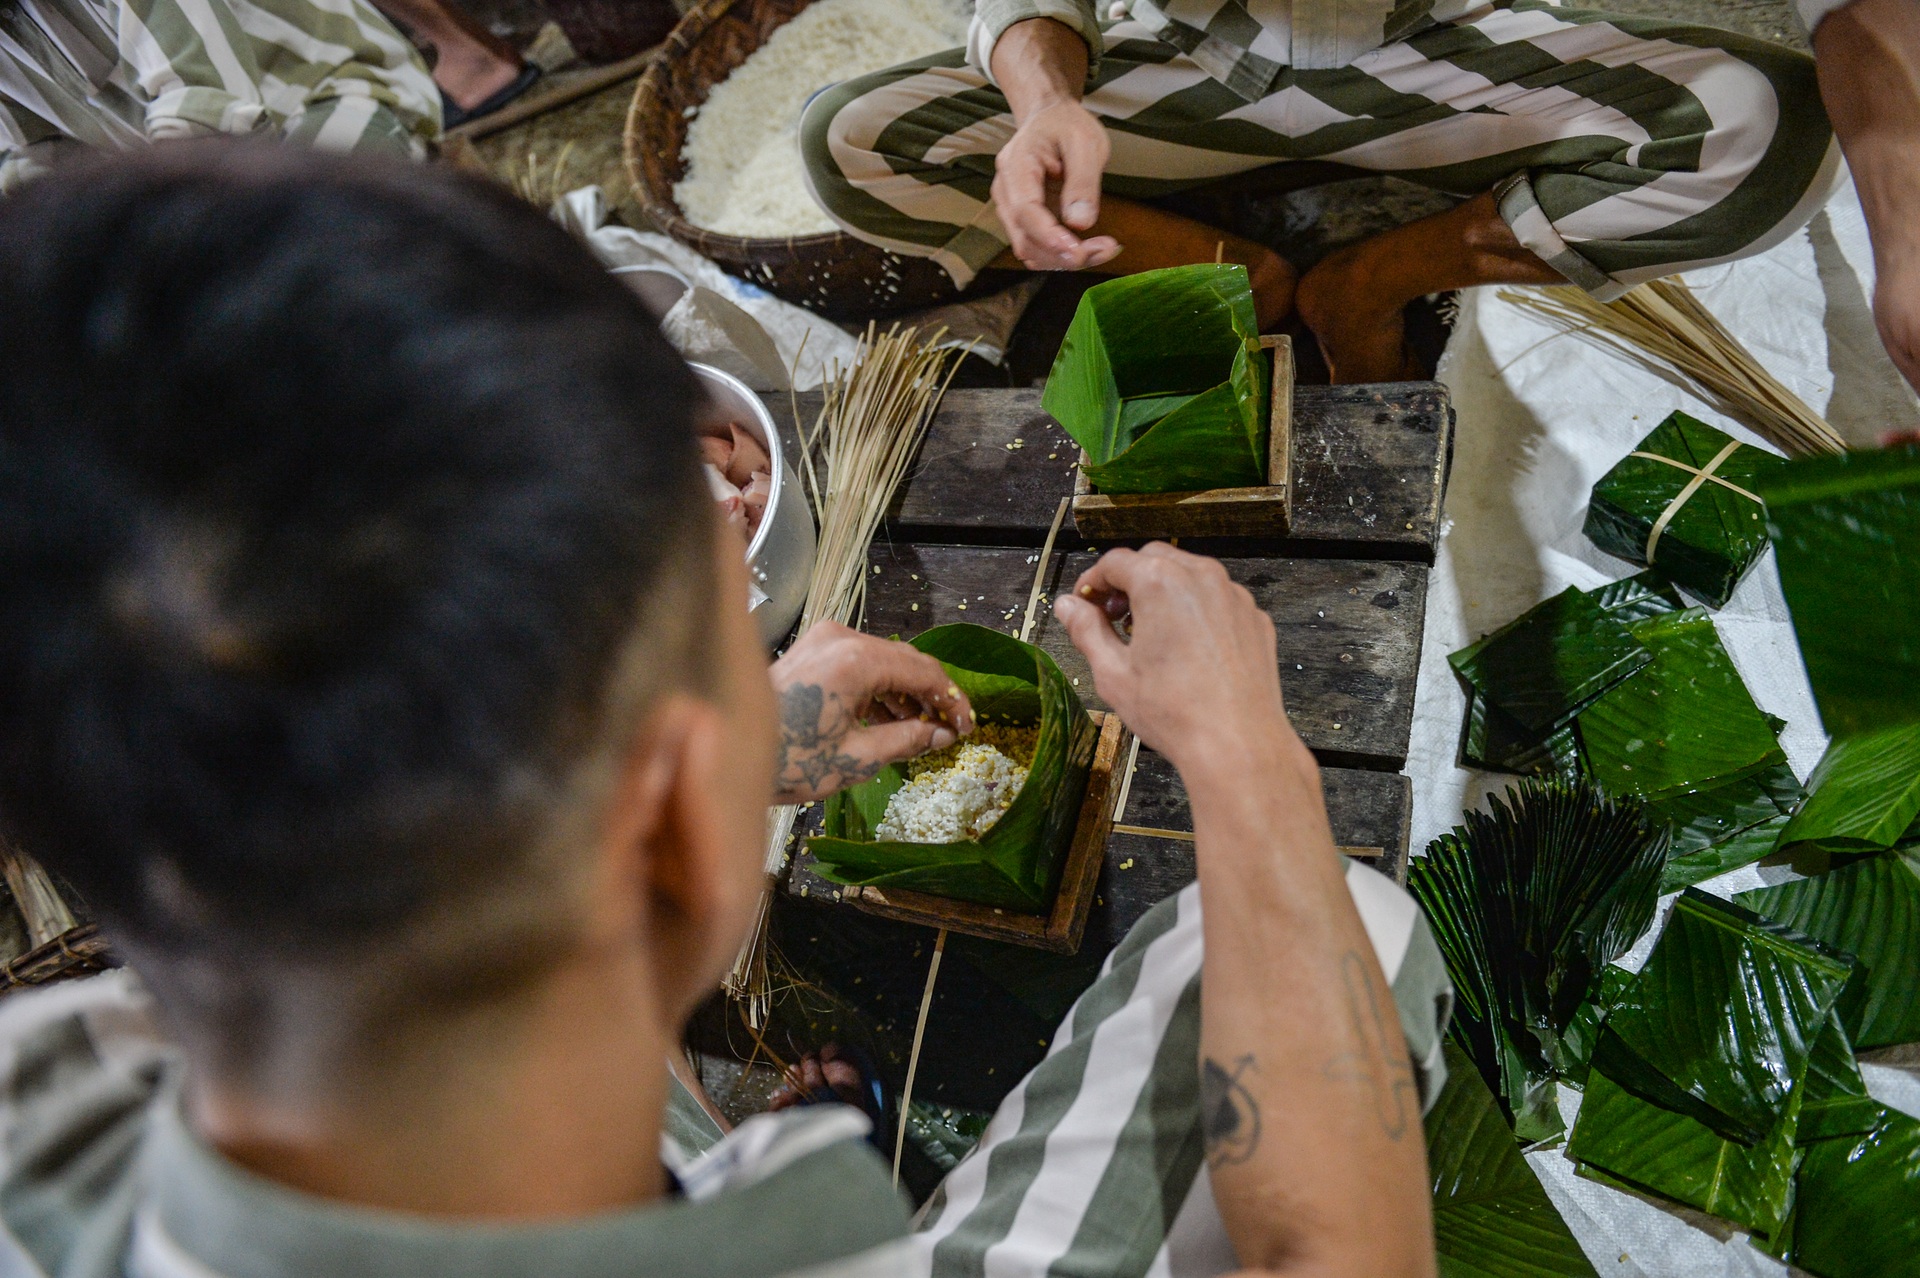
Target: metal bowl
(780, 557)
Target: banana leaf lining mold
(1182, 411)
(1027, 879)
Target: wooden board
(1263, 511)
(1369, 467)
(1059, 930)
(1349, 630)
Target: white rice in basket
(742, 149)
(960, 792)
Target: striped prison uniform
(1619, 149)
(112, 74)
(1094, 1165)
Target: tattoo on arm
(1388, 1073)
(813, 726)
(1229, 1115)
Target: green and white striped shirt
(111, 74)
(1244, 44)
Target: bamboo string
(913, 1056)
(1663, 326)
(1040, 571)
(1126, 781)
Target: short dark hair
(331, 494)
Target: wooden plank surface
(1349, 630)
(1369, 468)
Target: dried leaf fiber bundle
(1663, 326)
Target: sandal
(452, 116)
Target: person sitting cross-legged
(374, 661)
(1587, 148)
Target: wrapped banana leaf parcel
(1162, 381)
(1846, 532)
(1686, 501)
(1624, 686)
(990, 818)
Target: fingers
(1092, 633)
(884, 743)
(899, 675)
(1083, 156)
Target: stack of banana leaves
(1626, 687)
(1722, 1075)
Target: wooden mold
(1061, 929)
(1216, 512)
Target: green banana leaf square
(1720, 1024)
(1632, 1142)
(1846, 531)
(1016, 864)
(1864, 794)
(1685, 722)
(1857, 1202)
(1871, 910)
(1712, 538)
(1161, 379)
(1544, 666)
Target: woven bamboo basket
(56, 940)
(832, 273)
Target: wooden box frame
(1266, 511)
(1061, 929)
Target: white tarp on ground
(1542, 416)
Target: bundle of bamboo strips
(1664, 327)
(873, 416)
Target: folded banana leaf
(1684, 723)
(1529, 902)
(1869, 909)
(1491, 1218)
(1543, 667)
(1721, 1021)
(1623, 1139)
(1162, 381)
(1837, 1103)
(1726, 825)
(1576, 1043)
(1845, 529)
(1857, 1203)
(1016, 864)
(1714, 535)
(1863, 795)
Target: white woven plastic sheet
(1542, 416)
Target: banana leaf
(1864, 793)
(1837, 1103)
(1162, 381)
(1626, 1140)
(1721, 1021)
(1016, 864)
(1714, 537)
(1576, 1044)
(1636, 598)
(1529, 902)
(1870, 910)
(1543, 667)
(1491, 1218)
(1857, 1203)
(1683, 723)
(1844, 530)
(1726, 826)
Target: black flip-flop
(452, 117)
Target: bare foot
(1362, 335)
(469, 73)
(1274, 280)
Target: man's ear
(675, 841)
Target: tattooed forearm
(1385, 1070)
(1229, 1115)
(813, 727)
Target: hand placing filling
(962, 791)
(740, 474)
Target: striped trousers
(1620, 149)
